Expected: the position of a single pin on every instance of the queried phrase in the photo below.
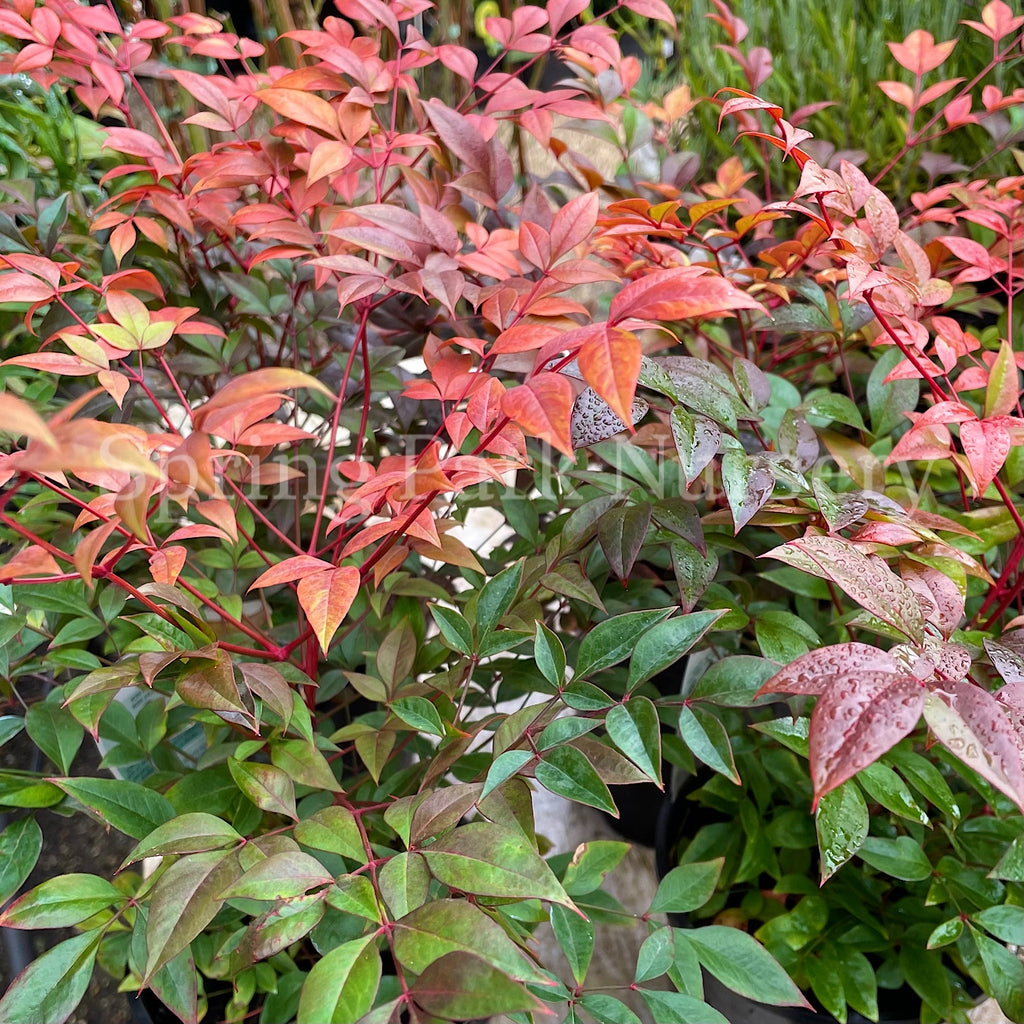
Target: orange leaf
(678, 294)
(543, 408)
(166, 565)
(326, 598)
(17, 417)
(290, 570)
(30, 561)
(303, 107)
(257, 384)
(84, 445)
(610, 363)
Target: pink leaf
(977, 729)
(919, 53)
(290, 570)
(858, 719)
(814, 672)
(986, 444)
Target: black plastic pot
(678, 817)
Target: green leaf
(1005, 922)
(679, 1008)
(568, 580)
(635, 729)
(612, 640)
(61, 902)
(454, 628)
(342, 985)
(783, 636)
(185, 900)
(945, 933)
(50, 988)
(1005, 973)
(607, 1009)
(901, 857)
(887, 403)
(269, 788)
(10, 726)
(420, 714)
(281, 876)
(741, 963)
(749, 481)
(841, 821)
(286, 923)
(562, 730)
(583, 696)
(20, 845)
(708, 740)
(496, 598)
(831, 405)
(621, 533)
(859, 982)
(188, 833)
(354, 894)
(1003, 388)
(590, 863)
(127, 806)
(923, 775)
(884, 786)
(460, 986)
(491, 860)
(575, 937)
(925, 974)
(687, 887)
(656, 955)
(549, 655)
(504, 766)
(665, 643)
(733, 681)
(566, 772)
(404, 883)
(55, 732)
(306, 765)
(696, 439)
(826, 981)
(445, 926)
(799, 318)
(333, 829)
(23, 790)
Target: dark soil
(70, 845)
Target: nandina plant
(253, 392)
(321, 321)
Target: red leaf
(814, 672)
(326, 598)
(290, 570)
(678, 294)
(572, 224)
(610, 364)
(986, 444)
(977, 728)
(543, 408)
(857, 720)
(919, 53)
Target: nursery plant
(325, 314)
